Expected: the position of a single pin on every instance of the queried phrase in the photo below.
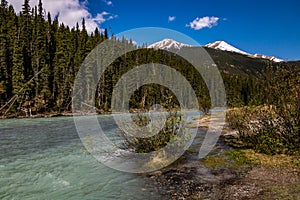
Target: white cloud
(205, 22)
(69, 12)
(100, 18)
(171, 18)
(109, 3)
(134, 42)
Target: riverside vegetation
(273, 128)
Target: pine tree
(51, 49)
(39, 58)
(105, 33)
(4, 52)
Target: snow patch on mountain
(272, 58)
(221, 45)
(168, 44)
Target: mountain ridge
(167, 44)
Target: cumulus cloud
(171, 18)
(69, 12)
(204, 22)
(100, 17)
(134, 42)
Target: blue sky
(265, 27)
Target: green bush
(158, 141)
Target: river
(45, 159)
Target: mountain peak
(224, 46)
(168, 44)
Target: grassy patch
(250, 157)
(289, 191)
(240, 158)
(213, 162)
(279, 160)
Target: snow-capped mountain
(221, 45)
(168, 44)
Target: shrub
(158, 141)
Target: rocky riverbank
(43, 115)
(228, 173)
(221, 177)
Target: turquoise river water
(45, 159)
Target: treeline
(40, 59)
(240, 90)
